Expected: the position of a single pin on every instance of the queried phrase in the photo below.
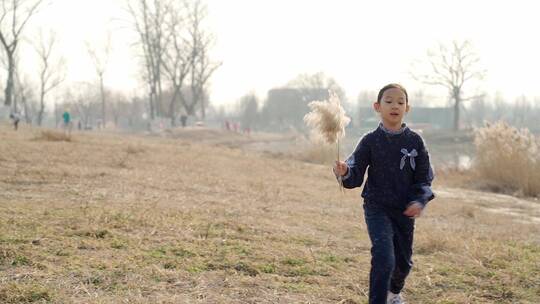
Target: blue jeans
(391, 235)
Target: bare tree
(14, 15)
(149, 17)
(25, 94)
(100, 59)
(202, 71)
(176, 60)
(82, 96)
(452, 67)
(16, 96)
(248, 110)
(51, 73)
(119, 104)
(202, 67)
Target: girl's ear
(377, 106)
(407, 108)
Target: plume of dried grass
(327, 119)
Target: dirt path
(519, 209)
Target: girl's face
(392, 107)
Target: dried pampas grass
(328, 121)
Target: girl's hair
(392, 86)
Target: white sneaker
(393, 298)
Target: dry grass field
(110, 218)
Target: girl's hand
(340, 168)
(414, 210)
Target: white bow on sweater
(411, 156)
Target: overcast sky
(362, 44)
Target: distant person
(183, 117)
(397, 189)
(183, 120)
(227, 125)
(16, 119)
(66, 118)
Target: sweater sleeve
(423, 176)
(357, 163)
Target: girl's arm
(357, 163)
(423, 176)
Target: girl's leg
(382, 253)
(403, 243)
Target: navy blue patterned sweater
(399, 171)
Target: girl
(397, 189)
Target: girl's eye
(401, 103)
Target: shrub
(508, 158)
(49, 135)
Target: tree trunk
(9, 84)
(202, 100)
(103, 108)
(27, 115)
(172, 108)
(15, 103)
(457, 104)
(190, 109)
(151, 102)
(41, 106)
(159, 89)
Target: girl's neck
(393, 127)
